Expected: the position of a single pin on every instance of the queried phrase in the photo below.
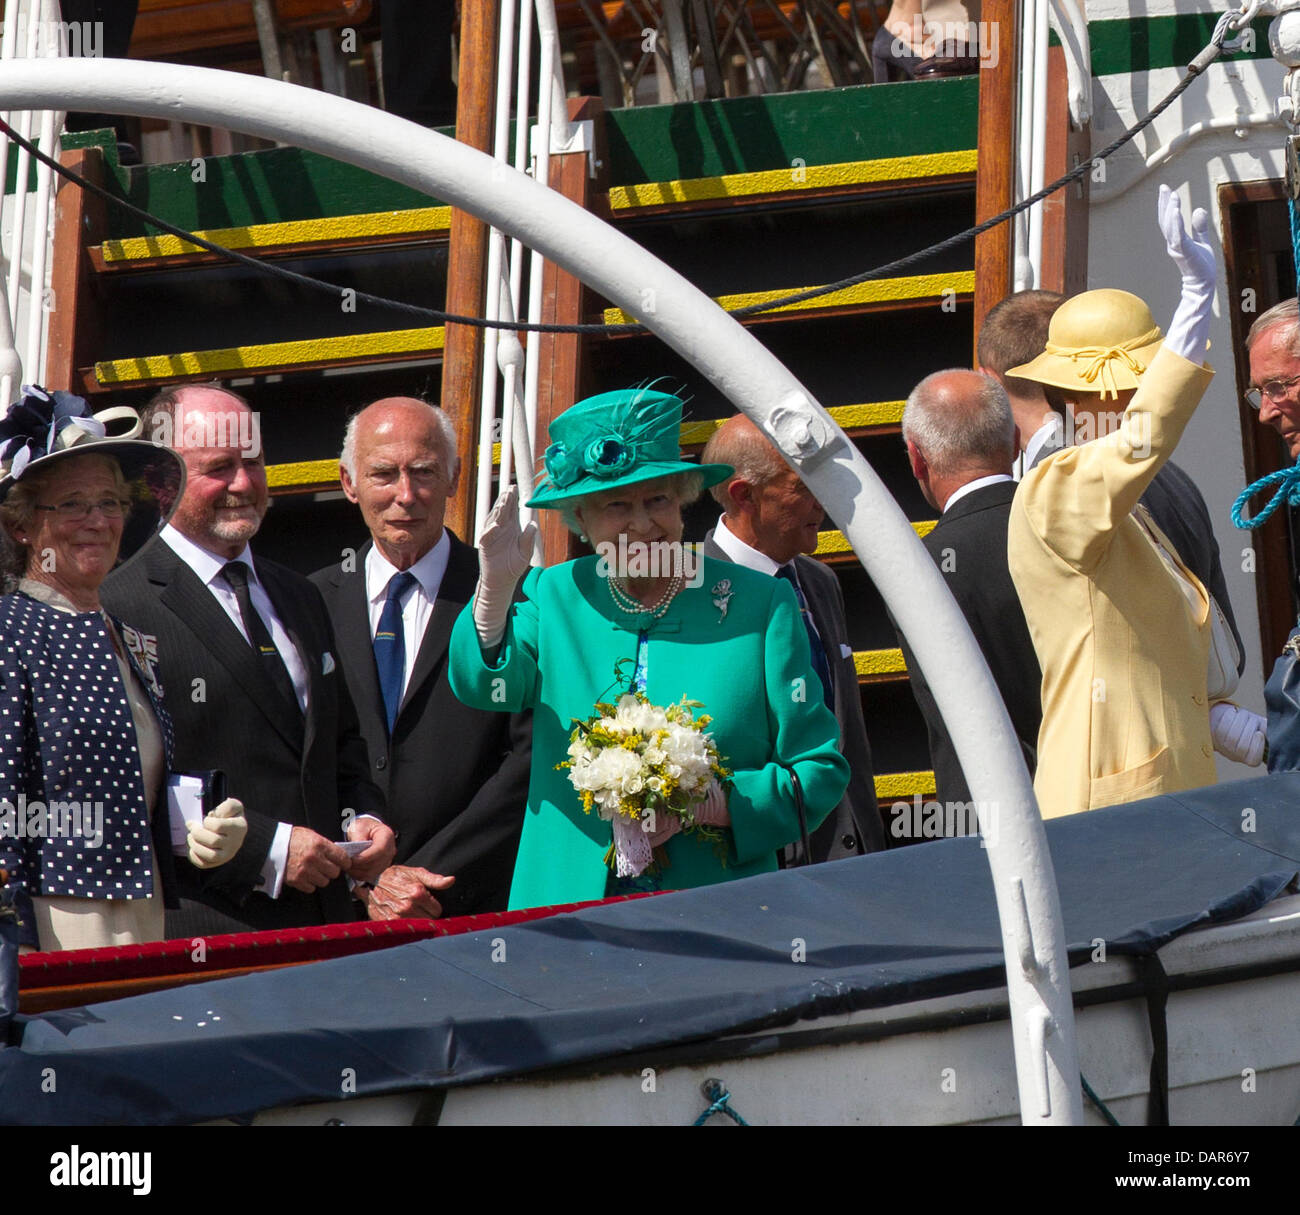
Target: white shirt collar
(1051, 430)
(740, 552)
(971, 486)
(207, 565)
(428, 571)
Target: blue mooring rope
(1288, 482)
(718, 1097)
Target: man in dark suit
(769, 521)
(455, 778)
(961, 439)
(248, 656)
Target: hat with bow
(45, 426)
(1100, 341)
(615, 440)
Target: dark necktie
(390, 645)
(236, 575)
(819, 662)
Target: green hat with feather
(614, 440)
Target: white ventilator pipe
(536, 270)
(24, 128)
(1022, 143)
(491, 298)
(50, 123)
(755, 381)
(11, 368)
(1037, 177)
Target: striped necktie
(390, 645)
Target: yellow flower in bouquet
(635, 764)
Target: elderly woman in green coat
(666, 623)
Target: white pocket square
(326, 663)
(846, 651)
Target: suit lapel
(282, 600)
(454, 593)
(351, 615)
(197, 609)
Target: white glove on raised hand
(1189, 329)
(1238, 733)
(504, 554)
(221, 834)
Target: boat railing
(510, 366)
(33, 29)
(1066, 20)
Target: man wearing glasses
(1273, 348)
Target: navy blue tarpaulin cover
(877, 930)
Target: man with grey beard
(247, 653)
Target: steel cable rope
(1207, 56)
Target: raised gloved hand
(1238, 733)
(713, 812)
(1194, 256)
(219, 836)
(504, 553)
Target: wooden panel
(560, 358)
(1065, 213)
(1262, 450)
(462, 368)
(74, 330)
(169, 27)
(993, 178)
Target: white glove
(1189, 330)
(215, 840)
(504, 554)
(1238, 733)
(666, 826)
(713, 812)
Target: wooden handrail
(178, 27)
(995, 173)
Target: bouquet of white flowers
(637, 765)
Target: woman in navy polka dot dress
(85, 741)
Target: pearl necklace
(634, 607)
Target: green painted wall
(750, 134)
(1141, 44)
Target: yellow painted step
(900, 786)
(293, 232)
(318, 473)
(829, 543)
(797, 177)
(874, 663)
(235, 359)
(874, 291)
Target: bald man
(961, 439)
(769, 521)
(456, 779)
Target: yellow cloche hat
(1099, 341)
